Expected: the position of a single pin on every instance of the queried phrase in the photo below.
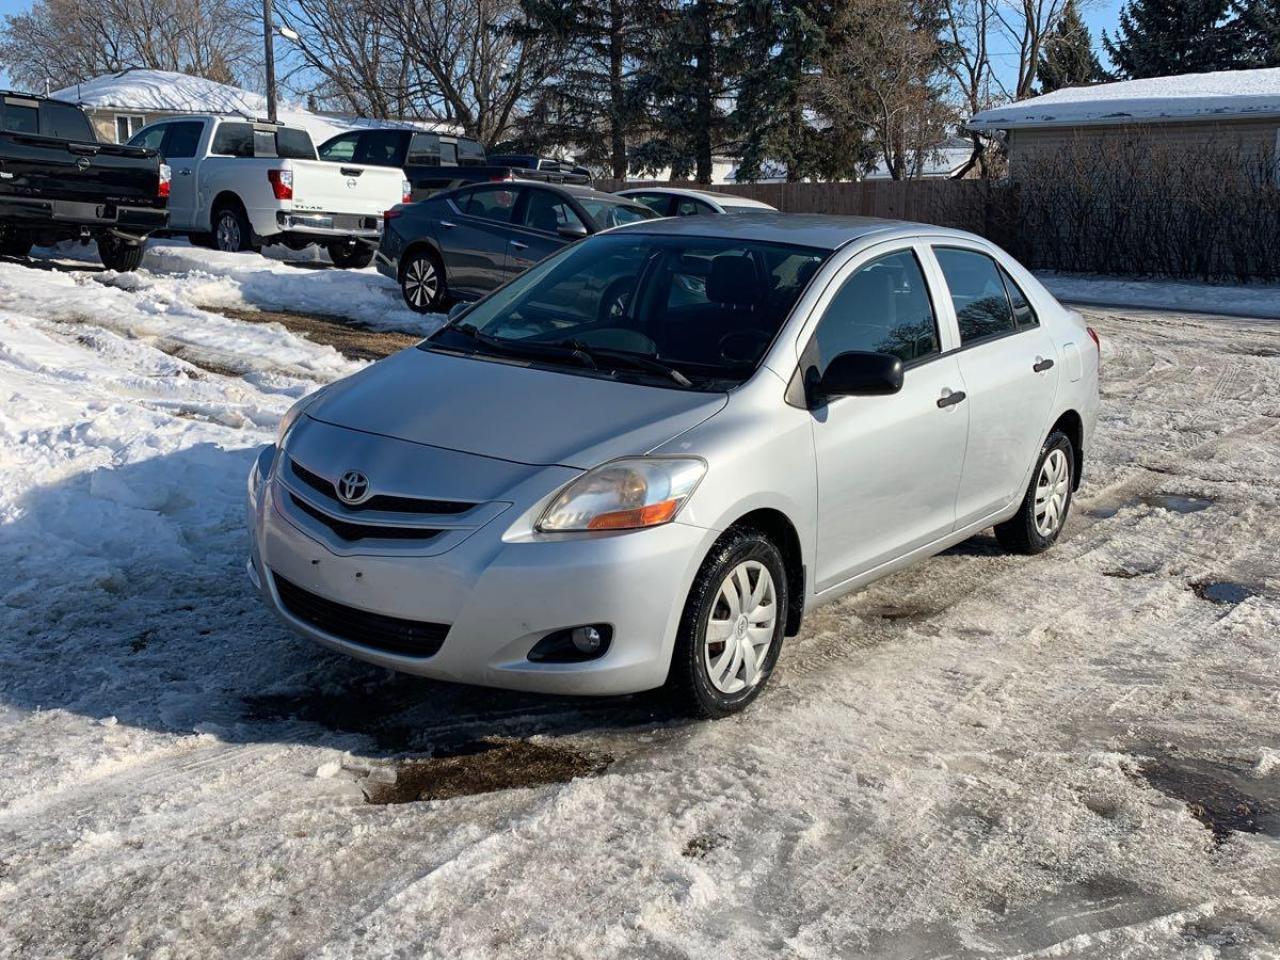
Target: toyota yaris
(641, 462)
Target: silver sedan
(644, 460)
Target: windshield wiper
(637, 361)
(524, 348)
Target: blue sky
(1100, 15)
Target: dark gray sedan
(464, 243)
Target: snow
(949, 763)
(1225, 94)
(1260, 301)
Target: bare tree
(67, 41)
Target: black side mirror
(572, 231)
(859, 374)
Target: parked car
(549, 495)
(528, 165)
(462, 244)
(239, 184)
(679, 202)
(57, 182)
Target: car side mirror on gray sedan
(859, 374)
(572, 231)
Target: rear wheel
(732, 627)
(349, 255)
(15, 242)
(1043, 513)
(422, 282)
(119, 255)
(231, 230)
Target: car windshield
(679, 311)
(614, 213)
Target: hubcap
(1052, 489)
(421, 283)
(740, 629)
(228, 233)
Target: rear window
(65, 122)
(424, 150)
(19, 118)
(470, 153)
(244, 140)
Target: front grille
(409, 638)
(355, 532)
(379, 501)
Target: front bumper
(499, 594)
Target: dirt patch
(1216, 795)
(1173, 502)
(702, 844)
(346, 336)
(485, 766)
(1225, 592)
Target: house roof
(1226, 94)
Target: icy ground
(1075, 755)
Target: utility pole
(268, 35)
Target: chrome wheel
(740, 628)
(1053, 487)
(421, 283)
(228, 233)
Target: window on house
(127, 124)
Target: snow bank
(1257, 301)
(1226, 93)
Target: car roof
(576, 190)
(715, 196)
(804, 229)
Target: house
(943, 162)
(1239, 109)
(121, 104)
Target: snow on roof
(1189, 96)
(162, 91)
(942, 161)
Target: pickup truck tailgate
(35, 166)
(323, 187)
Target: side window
(883, 308)
(20, 118)
(65, 122)
(978, 293)
(549, 212)
(1023, 312)
(233, 140)
(687, 207)
(151, 138)
(341, 148)
(424, 150)
(182, 141)
(657, 202)
(489, 203)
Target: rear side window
(20, 118)
(883, 308)
(978, 294)
(182, 141)
(489, 203)
(234, 140)
(65, 122)
(1023, 313)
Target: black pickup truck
(57, 182)
(432, 162)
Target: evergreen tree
(1162, 37)
(1067, 59)
(1260, 25)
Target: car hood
(511, 411)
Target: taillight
(1093, 335)
(166, 180)
(406, 191)
(389, 215)
(281, 183)
(502, 178)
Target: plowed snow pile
(986, 756)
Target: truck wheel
(422, 282)
(231, 230)
(14, 242)
(118, 255)
(347, 255)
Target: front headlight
(292, 415)
(625, 495)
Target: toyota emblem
(353, 487)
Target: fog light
(586, 639)
(573, 644)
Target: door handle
(447, 225)
(950, 399)
(1041, 365)
(518, 245)
(184, 172)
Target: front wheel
(1043, 513)
(422, 283)
(118, 255)
(348, 255)
(732, 627)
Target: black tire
(117, 254)
(350, 255)
(689, 681)
(231, 230)
(1021, 533)
(15, 242)
(417, 271)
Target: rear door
(1010, 371)
(474, 234)
(535, 236)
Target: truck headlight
(625, 495)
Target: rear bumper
(37, 213)
(330, 226)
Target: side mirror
(458, 309)
(860, 374)
(572, 231)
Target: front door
(1009, 366)
(474, 240)
(536, 236)
(888, 467)
(180, 148)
